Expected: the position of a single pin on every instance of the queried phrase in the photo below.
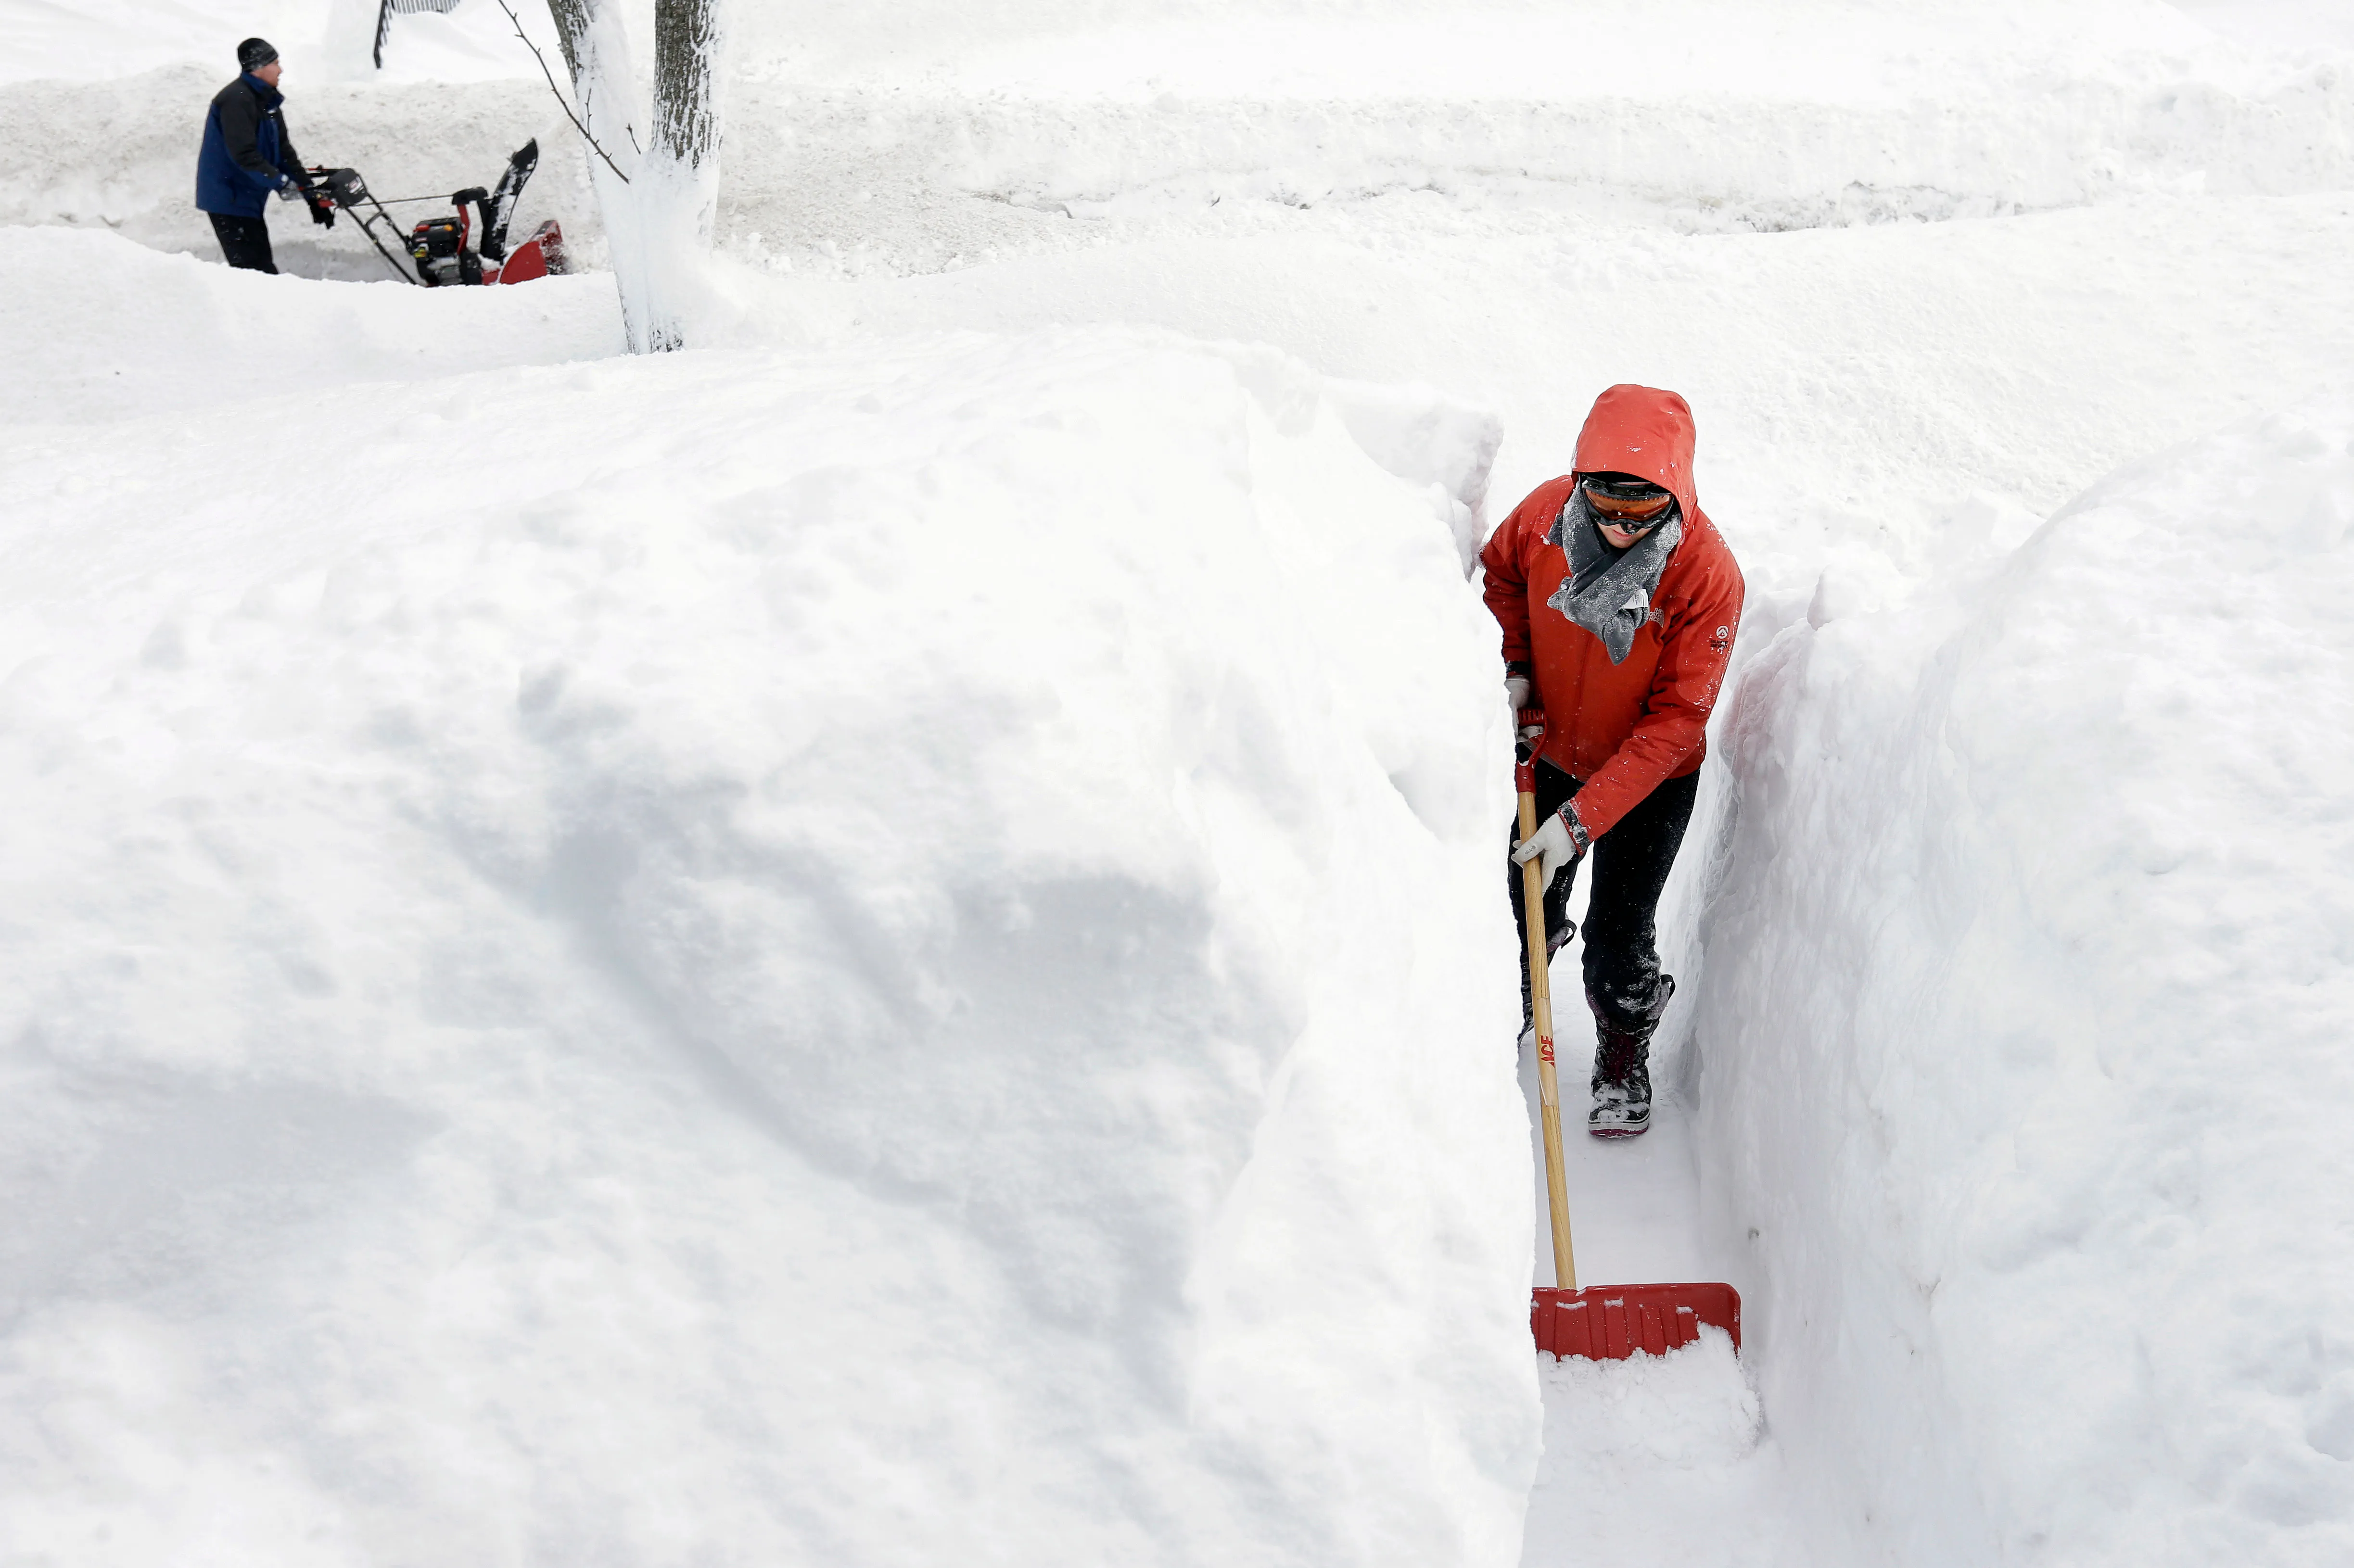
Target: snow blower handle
(1532, 892)
(479, 223)
(342, 187)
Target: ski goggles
(1625, 502)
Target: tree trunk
(687, 108)
(660, 202)
(682, 165)
(571, 34)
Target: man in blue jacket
(247, 155)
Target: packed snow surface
(881, 942)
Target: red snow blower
(463, 247)
(1602, 1322)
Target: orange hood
(1643, 431)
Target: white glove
(1520, 693)
(1559, 841)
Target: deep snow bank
(1697, 119)
(933, 136)
(866, 137)
(889, 957)
(2021, 1042)
(102, 329)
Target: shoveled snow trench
(571, 999)
(1649, 1460)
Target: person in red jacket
(1619, 601)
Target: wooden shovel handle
(1565, 1258)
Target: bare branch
(572, 68)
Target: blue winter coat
(246, 153)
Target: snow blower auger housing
(464, 247)
(1601, 1322)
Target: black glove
(322, 211)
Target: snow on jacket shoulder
(246, 152)
(1621, 728)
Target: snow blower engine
(467, 245)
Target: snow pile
(2021, 1043)
(1688, 1407)
(880, 958)
(1657, 1459)
(120, 330)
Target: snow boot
(1621, 1084)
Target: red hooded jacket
(1621, 728)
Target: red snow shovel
(1603, 1323)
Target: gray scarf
(1609, 592)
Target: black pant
(245, 241)
(1623, 983)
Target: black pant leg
(1554, 788)
(244, 241)
(1631, 863)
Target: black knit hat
(254, 53)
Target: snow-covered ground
(881, 942)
